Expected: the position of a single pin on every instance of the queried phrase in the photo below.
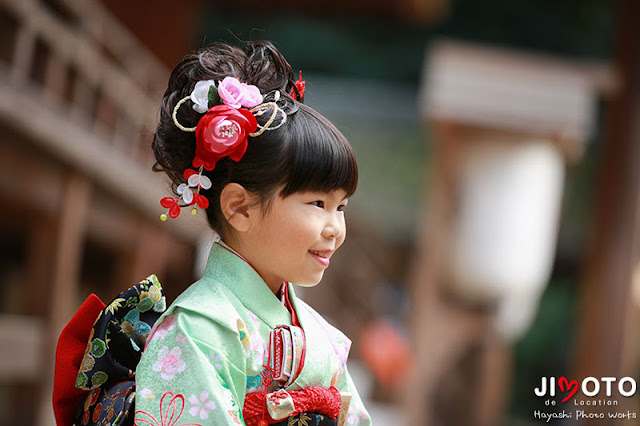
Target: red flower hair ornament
(222, 132)
(230, 109)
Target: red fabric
(310, 400)
(71, 347)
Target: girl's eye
(341, 207)
(318, 203)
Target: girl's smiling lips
(321, 256)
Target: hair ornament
(299, 86)
(230, 108)
(204, 96)
(174, 115)
(275, 109)
(187, 196)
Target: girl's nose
(334, 228)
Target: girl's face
(294, 239)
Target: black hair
(307, 153)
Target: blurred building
(80, 89)
(80, 84)
(79, 97)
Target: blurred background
(493, 241)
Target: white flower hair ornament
(230, 108)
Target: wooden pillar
(64, 282)
(23, 54)
(443, 330)
(607, 335)
(494, 378)
(69, 247)
(54, 77)
(41, 251)
(423, 280)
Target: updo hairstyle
(307, 153)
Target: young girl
(273, 176)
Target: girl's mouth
(321, 256)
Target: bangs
(320, 159)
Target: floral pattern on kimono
(207, 351)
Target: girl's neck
(231, 249)
(276, 288)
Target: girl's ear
(237, 206)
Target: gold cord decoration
(259, 110)
(175, 116)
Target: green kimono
(208, 349)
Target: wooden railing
(83, 91)
(77, 58)
(80, 85)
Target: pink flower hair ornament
(230, 109)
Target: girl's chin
(312, 284)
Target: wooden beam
(607, 334)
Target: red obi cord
(310, 400)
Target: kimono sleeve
(357, 414)
(181, 380)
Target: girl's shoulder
(206, 316)
(207, 301)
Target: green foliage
(213, 98)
